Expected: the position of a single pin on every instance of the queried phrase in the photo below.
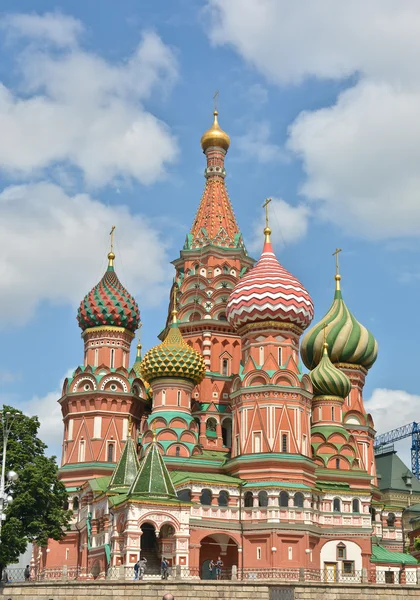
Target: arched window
(284, 444)
(356, 505)
(249, 500)
(337, 463)
(211, 424)
(372, 513)
(263, 499)
(222, 316)
(177, 451)
(284, 499)
(111, 448)
(337, 505)
(225, 366)
(206, 497)
(184, 495)
(341, 551)
(390, 521)
(75, 504)
(298, 500)
(223, 498)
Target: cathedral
(218, 442)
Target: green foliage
(417, 543)
(38, 511)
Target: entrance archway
(213, 546)
(149, 549)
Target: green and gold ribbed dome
(348, 340)
(173, 358)
(328, 380)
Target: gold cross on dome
(336, 253)
(154, 432)
(265, 205)
(215, 99)
(111, 233)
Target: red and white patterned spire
(268, 292)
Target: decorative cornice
(109, 329)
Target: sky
(102, 106)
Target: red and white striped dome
(269, 293)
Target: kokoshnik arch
(216, 442)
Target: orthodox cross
(111, 233)
(216, 98)
(265, 205)
(336, 253)
(139, 339)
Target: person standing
(27, 573)
(219, 567)
(164, 567)
(136, 570)
(142, 567)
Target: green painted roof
(182, 477)
(381, 554)
(100, 484)
(153, 480)
(392, 470)
(126, 470)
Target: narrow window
(70, 432)
(97, 427)
(261, 355)
(249, 500)
(82, 451)
(96, 357)
(177, 451)
(178, 398)
(258, 552)
(337, 505)
(290, 553)
(123, 358)
(304, 444)
(257, 442)
(332, 414)
(163, 397)
(298, 500)
(390, 521)
(341, 552)
(356, 505)
(237, 448)
(284, 499)
(225, 366)
(112, 357)
(263, 499)
(280, 357)
(67, 553)
(337, 463)
(111, 452)
(284, 442)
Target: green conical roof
(328, 380)
(348, 340)
(127, 467)
(153, 480)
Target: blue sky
(102, 106)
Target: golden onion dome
(215, 136)
(173, 358)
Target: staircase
(153, 562)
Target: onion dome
(348, 341)
(215, 136)
(268, 292)
(173, 358)
(109, 304)
(328, 380)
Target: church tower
(101, 396)
(210, 264)
(271, 397)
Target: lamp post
(7, 419)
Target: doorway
(330, 572)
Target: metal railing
(381, 576)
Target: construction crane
(413, 430)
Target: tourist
(164, 567)
(142, 567)
(219, 566)
(27, 573)
(136, 570)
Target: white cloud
(256, 144)
(55, 245)
(76, 108)
(288, 223)
(58, 29)
(361, 154)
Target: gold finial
(215, 99)
(130, 425)
(139, 346)
(337, 268)
(174, 310)
(111, 254)
(267, 230)
(154, 433)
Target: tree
(39, 509)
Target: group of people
(140, 568)
(217, 566)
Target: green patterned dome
(348, 340)
(109, 304)
(173, 358)
(328, 380)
